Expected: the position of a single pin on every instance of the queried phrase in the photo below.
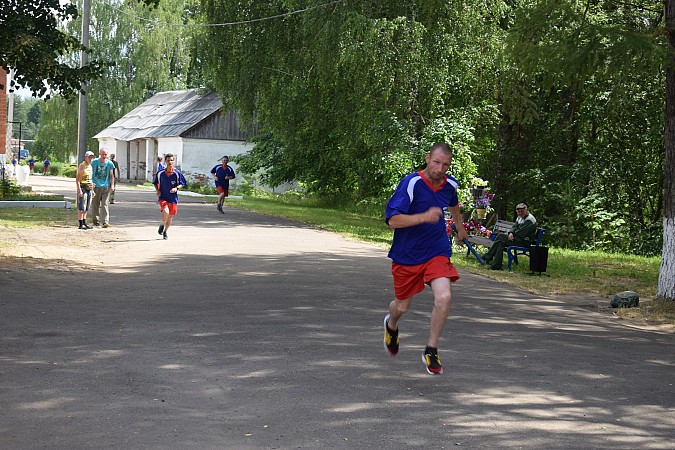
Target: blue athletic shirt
(221, 173)
(418, 244)
(167, 182)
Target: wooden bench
(502, 226)
(514, 250)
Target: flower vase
(481, 213)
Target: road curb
(36, 204)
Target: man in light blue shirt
(103, 177)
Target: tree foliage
(147, 50)
(345, 92)
(584, 98)
(26, 111)
(44, 53)
(556, 103)
(36, 47)
(57, 136)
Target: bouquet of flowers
(484, 203)
(472, 227)
(476, 229)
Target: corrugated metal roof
(166, 114)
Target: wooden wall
(220, 126)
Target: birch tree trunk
(666, 287)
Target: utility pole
(84, 60)
(10, 113)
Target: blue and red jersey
(165, 182)
(419, 243)
(221, 173)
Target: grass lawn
(30, 217)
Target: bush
(56, 168)
(248, 185)
(253, 191)
(69, 171)
(8, 188)
(200, 188)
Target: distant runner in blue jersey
(222, 174)
(160, 166)
(421, 250)
(167, 182)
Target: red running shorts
(171, 207)
(410, 280)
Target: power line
(226, 24)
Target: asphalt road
(244, 331)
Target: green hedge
(55, 168)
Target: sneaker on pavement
(96, 224)
(86, 227)
(161, 229)
(81, 227)
(164, 236)
(432, 362)
(390, 338)
(106, 225)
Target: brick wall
(3, 113)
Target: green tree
(57, 136)
(34, 45)
(34, 113)
(587, 81)
(147, 50)
(22, 114)
(345, 92)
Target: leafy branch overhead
(44, 57)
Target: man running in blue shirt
(421, 250)
(167, 182)
(222, 174)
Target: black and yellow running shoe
(432, 362)
(390, 338)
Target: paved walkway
(248, 332)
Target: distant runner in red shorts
(222, 174)
(167, 182)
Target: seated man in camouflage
(523, 233)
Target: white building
(191, 126)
